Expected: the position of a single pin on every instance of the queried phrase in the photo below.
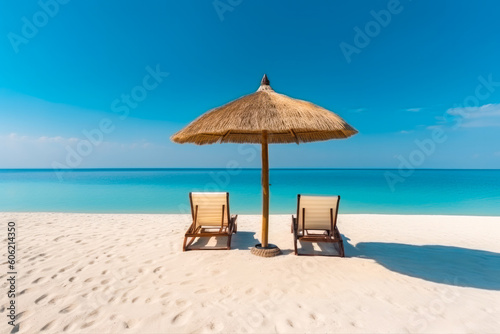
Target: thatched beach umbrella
(265, 117)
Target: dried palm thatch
(285, 119)
(265, 117)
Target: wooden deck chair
(316, 221)
(210, 212)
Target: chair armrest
(191, 228)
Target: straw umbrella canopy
(265, 117)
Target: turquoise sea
(450, 192)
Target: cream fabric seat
(210, 209)
(211, 218)
(317, 211)
(316, 221)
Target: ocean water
(450, 192)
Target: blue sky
(420, 80)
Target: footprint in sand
(39, 280)
(157, 269)
(214, 327)
(201, 291)
(355, 324)
(15, 329)
(182, 318)
(53, 300)
(39, 299)
(87, 324)
(47, 326)
(181, 302)
(94, 313)
(68, 309)
(284, 326)
(23, 315)
(69, 327)
(64, 269)
(129, 324)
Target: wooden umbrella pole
(265, 190)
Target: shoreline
(243, 214)
(113, 273)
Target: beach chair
(316, 221)
(210, 212)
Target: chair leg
(294, 231)
(342, 251)
(337, 235)
(184, 244)
(229, 241)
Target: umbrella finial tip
(265, 80)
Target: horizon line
(225, 168)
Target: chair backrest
(320, 212)
(210, 208)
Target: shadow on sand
(441, 264)
(244, 240)
(241, 240)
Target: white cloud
(20, 151)
(414, 109)
(15, 138)
(487, 115)
(405, 131)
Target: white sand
(89, 273)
